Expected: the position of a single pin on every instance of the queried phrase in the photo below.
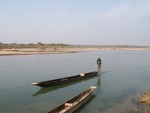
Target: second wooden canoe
(74, 103)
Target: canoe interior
(76, 101)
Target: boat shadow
(50, 89)
(85, 104)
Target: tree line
(31, 45)
(43, 46)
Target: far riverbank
(31, 51)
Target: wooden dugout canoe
(74, 103)
(65, 80)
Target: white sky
(75, 21)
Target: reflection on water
(98, 81)
(86, 103)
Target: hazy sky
(75, 21)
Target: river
(123, 75)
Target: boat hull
(78, 105)
(65, 80)
(75, 102)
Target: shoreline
(33, 51)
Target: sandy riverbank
(39, 51)
(58, 51)
(145, 98)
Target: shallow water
(124, 74)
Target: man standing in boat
(99, 64)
